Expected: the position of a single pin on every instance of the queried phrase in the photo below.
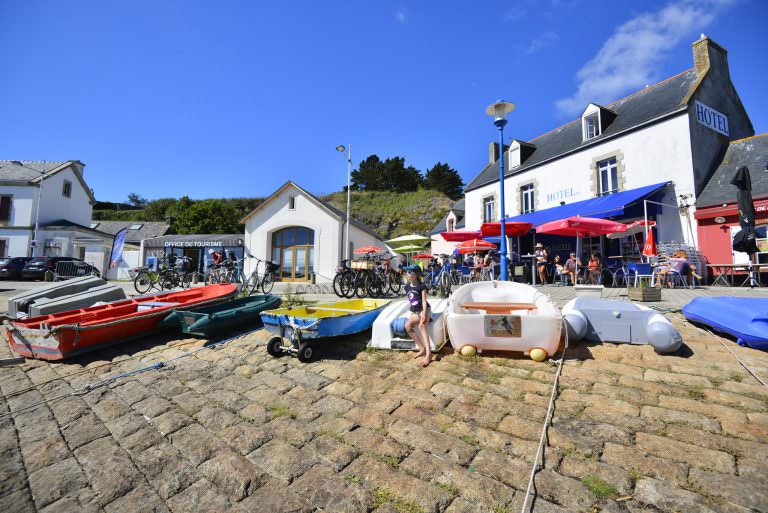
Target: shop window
(591, 126)
(608, 176)
(527, 198)
(489, 206)
(5, 208)
(293, 251)
(66, 189)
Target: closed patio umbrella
(746, 240)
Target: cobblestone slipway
(232, 429)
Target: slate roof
(148, 230)
(10, 170)
(751, 152)
(68, 225)
(458, 209)
(666, 97)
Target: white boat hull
(383, 336)
(518, 330)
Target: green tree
(205, 216)
(445, 179)
(373, 174)
(157, 210)
(136, 200)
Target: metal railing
(74, 269)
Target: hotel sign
(561, 194)
(711, 118)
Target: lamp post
(341, 148)
(499, 111)
(33, 242)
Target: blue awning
(611, 205)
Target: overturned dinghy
(19, 304)
(602, 320)
(504, 316)
(744, 318)
(389, 327)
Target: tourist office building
(652, 153)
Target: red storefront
(714, 229)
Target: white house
(654, 150)
(303, 234)
(55, 194)
(452, 221)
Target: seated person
(558, 267)
(469, 261)
(677, 264)
(594, 268)
(569, 269)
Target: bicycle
(265, 282)
(164, 278)
(343, 280)
(438, 279)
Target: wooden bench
(498, 308)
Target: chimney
(493, 152)
(709, 55)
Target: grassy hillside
(392, 214)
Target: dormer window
(518, 153)
(451, 225)
(591, 126)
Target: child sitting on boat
(416, 325)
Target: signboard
(561, 194)
(117, 248)
(502, 325)
(711, 118)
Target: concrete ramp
(84, 299)
(19, 304)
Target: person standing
(542, 256)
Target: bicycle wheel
(375, 286)
(347, 285)
(394, 282)
(168, 283)
(337, 280)
(143, 282)
(267, 282)
(361, 285)
(445, 285)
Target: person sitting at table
(594, 268)
(677, 264)
(569, 269)
(541, 261)
(558, 267)
(469, 261)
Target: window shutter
(3, 248)
(5, 208)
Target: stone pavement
(233, 429)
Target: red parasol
(474, 245)
(368, 249)
(649, 249)
(423, 256)
(460, 236)
(581, 227)
(511, 229)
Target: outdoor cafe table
(533, 266)
(725, 274)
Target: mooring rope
(547, 420)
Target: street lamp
(33, 242)
(499, 111)
(340, 148)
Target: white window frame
(610, 167)
(66, 189)
(527, 194)
(450, 224)
(489, 201)
(596, 117)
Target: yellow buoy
(538, 355)
(468, 350)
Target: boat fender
(662, 335)
(576, 324)
(398, 327)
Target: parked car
(36, 268)
(10, 267)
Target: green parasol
(410, 248)
(413, 238)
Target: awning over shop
(611, 205)
(195, 241)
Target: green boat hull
(222, 317)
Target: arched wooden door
(293, 248)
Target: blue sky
(233, 98)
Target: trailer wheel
(275, 346)
(305, 352)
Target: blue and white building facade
(653, 151)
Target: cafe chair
(639, 272)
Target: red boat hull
(66, 334)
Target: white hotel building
(661, 144)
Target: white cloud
(517, 11)
(541, 41)
(632, 56)
(401, 16)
